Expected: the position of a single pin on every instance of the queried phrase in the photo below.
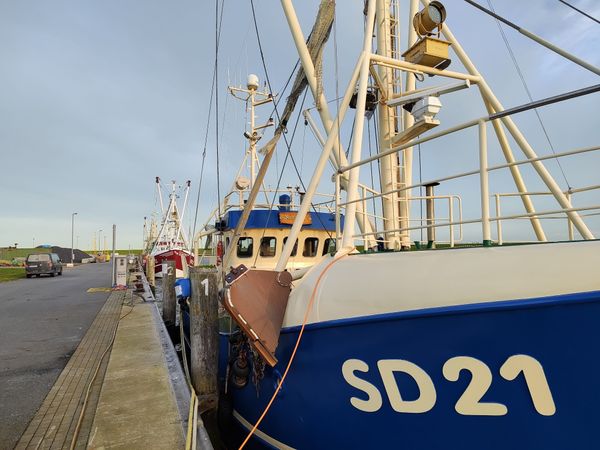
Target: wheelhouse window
(295, 249)
(268, 246)
(310, 247)
(245, 247)
(328, 246)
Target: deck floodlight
(428, 50)
(429, 18)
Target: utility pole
(112, 259)
(72, 234)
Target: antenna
(253, 97)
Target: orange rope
(308, 308)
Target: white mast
(395, 211)
(180, 219)
(254, 98)
(162, 207)
(359, 119)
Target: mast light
(428, 50)
(430, 18)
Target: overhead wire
(210, 105)
(528, 92)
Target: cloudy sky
(98, 98)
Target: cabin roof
(275, 218)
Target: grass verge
(11, 273)
(7, 254)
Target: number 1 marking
(541, 396)
(205, 284)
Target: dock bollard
(169, 299)
(150, 270)
(204, 336)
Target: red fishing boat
(171, 243)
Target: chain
(258, 369)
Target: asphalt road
(42, 320)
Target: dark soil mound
(65, 254)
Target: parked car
(43, 263)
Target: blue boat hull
(317, 407)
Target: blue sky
(98, 98)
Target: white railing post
(451, 218)
(484, 182)
(498, 221)
(569, 221)
(337, 211)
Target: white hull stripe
(268, 439)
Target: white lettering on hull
(468, 404)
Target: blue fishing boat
(386, 340)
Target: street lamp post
(72, 233)
(99, 240)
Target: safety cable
(522, 77)
(89, 388)
(190, 441)
(293, 355)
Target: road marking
(100, 289)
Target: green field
(120, 252)
(11, 273)
(8, 255)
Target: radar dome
(252, 82)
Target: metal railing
(568, 194)
(483, 172)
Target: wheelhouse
(265, 234)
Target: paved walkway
(54, 424)
(134, 392)
(137, 407)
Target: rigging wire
(371, 170)
(276, 103)
(376, 134)
(350, 140)
(288, 154)
(522, 77)
(303, 144)
(217, 105)
(580, 11)
(210, 104)
(337, 103)
(287, 143)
